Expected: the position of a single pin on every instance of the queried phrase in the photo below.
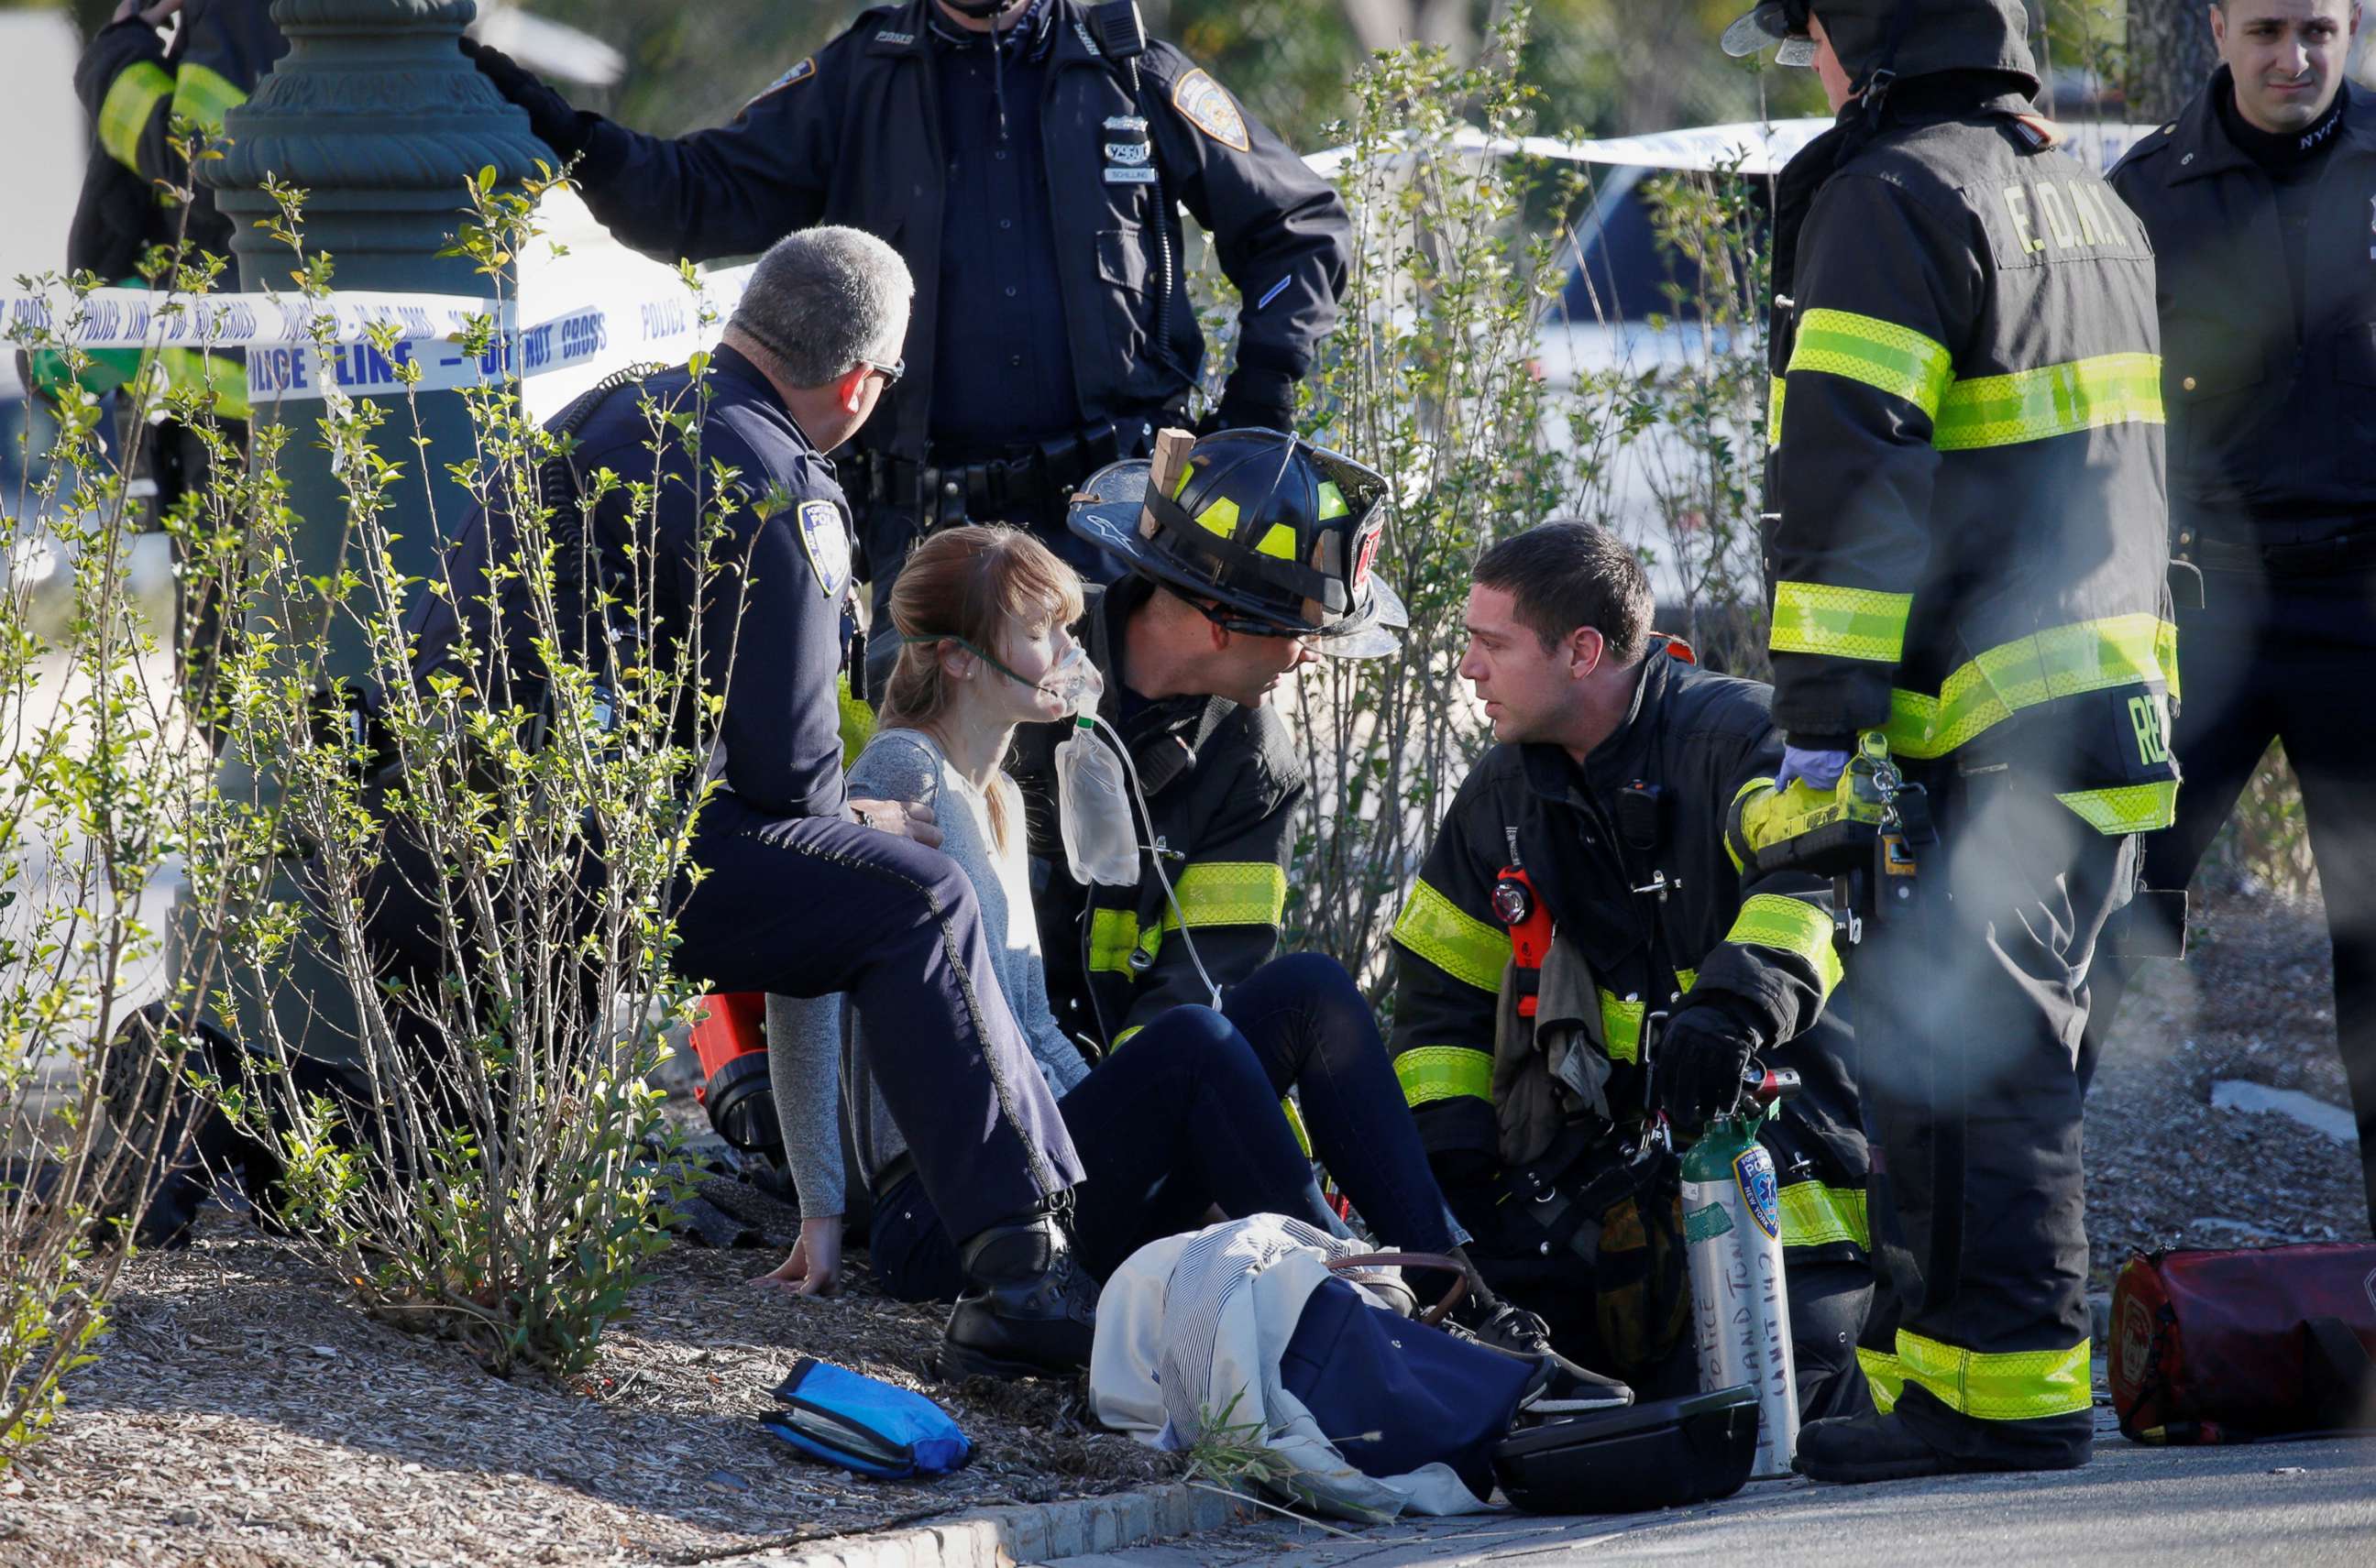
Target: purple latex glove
(1820, 771)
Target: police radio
(1120, 30)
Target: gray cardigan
(804, 1037)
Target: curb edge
(1030, 1532)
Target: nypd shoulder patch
(826, 542)
(1206, 104)
(804, 71)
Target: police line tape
(299, 347)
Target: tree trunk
(2170, 55)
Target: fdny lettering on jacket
(2038, 220)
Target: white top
(804, 1037)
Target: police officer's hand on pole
(1695, 1073)
(902, 819)
(551, 117)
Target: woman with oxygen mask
(1180, 1122)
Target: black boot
(1027, 1309)
(1850, 1449)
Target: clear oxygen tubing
(1155, 858)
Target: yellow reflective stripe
(1776, 385)
(1817, 1215)
(1332, 501)
(1894, 358)
(1295, 1124)
(1732, 851)
(857, 721)
(202, 96)
(2131, 808)
(1114, 935)
(1620, 1025)
(1886, 1377)
(1793, 926)
(1452, 939)
(1230, 893)
(2055, 399)
(1123, 1039)
(1220, 518)
(2088, 656)
(2014, 1385)
(131, 99)
(223, 378)
(1279, 542)
(1686, 978)
(1840, 623)
(1445, 1072)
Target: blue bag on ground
(859, 1424)
(1393, 1393)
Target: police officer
(1965, 548)
(804, 891)
(1029, 158)
(1250, 560)
(2257, 201)
(1602, 807)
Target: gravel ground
(2164, 1170)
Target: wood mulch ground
(243, 1415)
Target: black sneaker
(1565, 1388)
(1028, 1309)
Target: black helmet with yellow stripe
(1274, 535)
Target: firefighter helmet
(1278, 534)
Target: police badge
(1205, 104)
(827, 542)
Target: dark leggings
(1185, 1117)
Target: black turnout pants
(1970, 1003)
(2284, 654)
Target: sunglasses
(889, 372)
(1231, 621)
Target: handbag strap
(1433, 1315)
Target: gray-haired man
(804, 891)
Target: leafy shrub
(1461, 253)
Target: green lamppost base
(376, 115)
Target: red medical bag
(2231, 1346)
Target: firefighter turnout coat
(1646, 812)
(1967, 535)
(134, 87)
(1222, 784)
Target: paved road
(2297, 1503)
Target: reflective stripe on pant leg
(1817, 1215)
(1883, 1375)
(2008, 1386)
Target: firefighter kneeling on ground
(1579, 889)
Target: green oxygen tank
(1740, 1313)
